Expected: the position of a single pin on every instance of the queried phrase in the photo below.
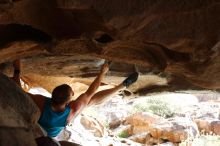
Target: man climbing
(58, 111)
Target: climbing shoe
(130, 79)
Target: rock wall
(18, 114)
(179, 39)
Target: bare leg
(103, 95)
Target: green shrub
(156, 106)
(123, 134)
(106, 125)
(160, 108)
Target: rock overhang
(178, 41)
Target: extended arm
(38, 99)
(85, 98)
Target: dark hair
(61, 94)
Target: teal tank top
(53, 122)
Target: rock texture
(209, 125)
(178, 40)
(175, 45)
(18, 114)
(175, 130)
(141, 121)
(92, 125)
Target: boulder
(113, 141)
(93, 125)
(140, 138)
(176, 41)
(208, 125)
(18, 114)
(141, 121)
(115, 124)
(123, 130)
(174, 129)
(202, 110)
(166, 144)
(11, 136)
(216, 127)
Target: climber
(58, 111)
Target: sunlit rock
(166, 144)
(141, 137)
(174, 129)
(208, 125)
(142, 121)
(123, 131)
(92, 125)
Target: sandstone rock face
(18, 113)
(142, 121)
(176, 40)
(166, 144)
(174, 45)
(205, 115)
(16, 136)
(206, 110)
(92, 125)
(141, 137)
(123, 131)
(79, 134)
(216, 127)
(209, 125)
(175, 130)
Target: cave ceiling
(174, 44)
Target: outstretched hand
(104, 68)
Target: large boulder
(205, 115)
(18, 114)
(123, 131)
(208, 125)
(16, 136)
(92, 125)
(142, 121)
(174, 129)
(202, 110)
(141, 137)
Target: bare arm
(85, 98)
(38, 99)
